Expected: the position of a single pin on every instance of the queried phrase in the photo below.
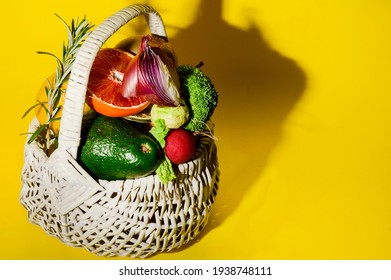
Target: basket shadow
(258, 87)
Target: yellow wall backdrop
(304, 122)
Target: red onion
(152, 74)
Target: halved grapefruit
(104, 93)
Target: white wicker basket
(134, 218)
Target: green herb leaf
(33, 107)
(39, 130)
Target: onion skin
(152, 73)
(130, 78)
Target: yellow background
(304, 122)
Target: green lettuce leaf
(164, 171)
(160, 131)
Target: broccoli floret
(199, 94)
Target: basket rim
(198, 155)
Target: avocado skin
(113, 149)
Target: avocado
(114, 149)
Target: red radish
(180, 145)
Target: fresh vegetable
(160, 131)
(152, 73)
(105, 84)
(164, 171)
(174, 117)
(200, 95)
(180, 145)
(113, 149)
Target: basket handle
(70, 129)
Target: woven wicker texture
(137, 217)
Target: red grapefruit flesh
(104, 93)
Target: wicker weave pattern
(134, 218)
(137, 217)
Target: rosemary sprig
(77, 33)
